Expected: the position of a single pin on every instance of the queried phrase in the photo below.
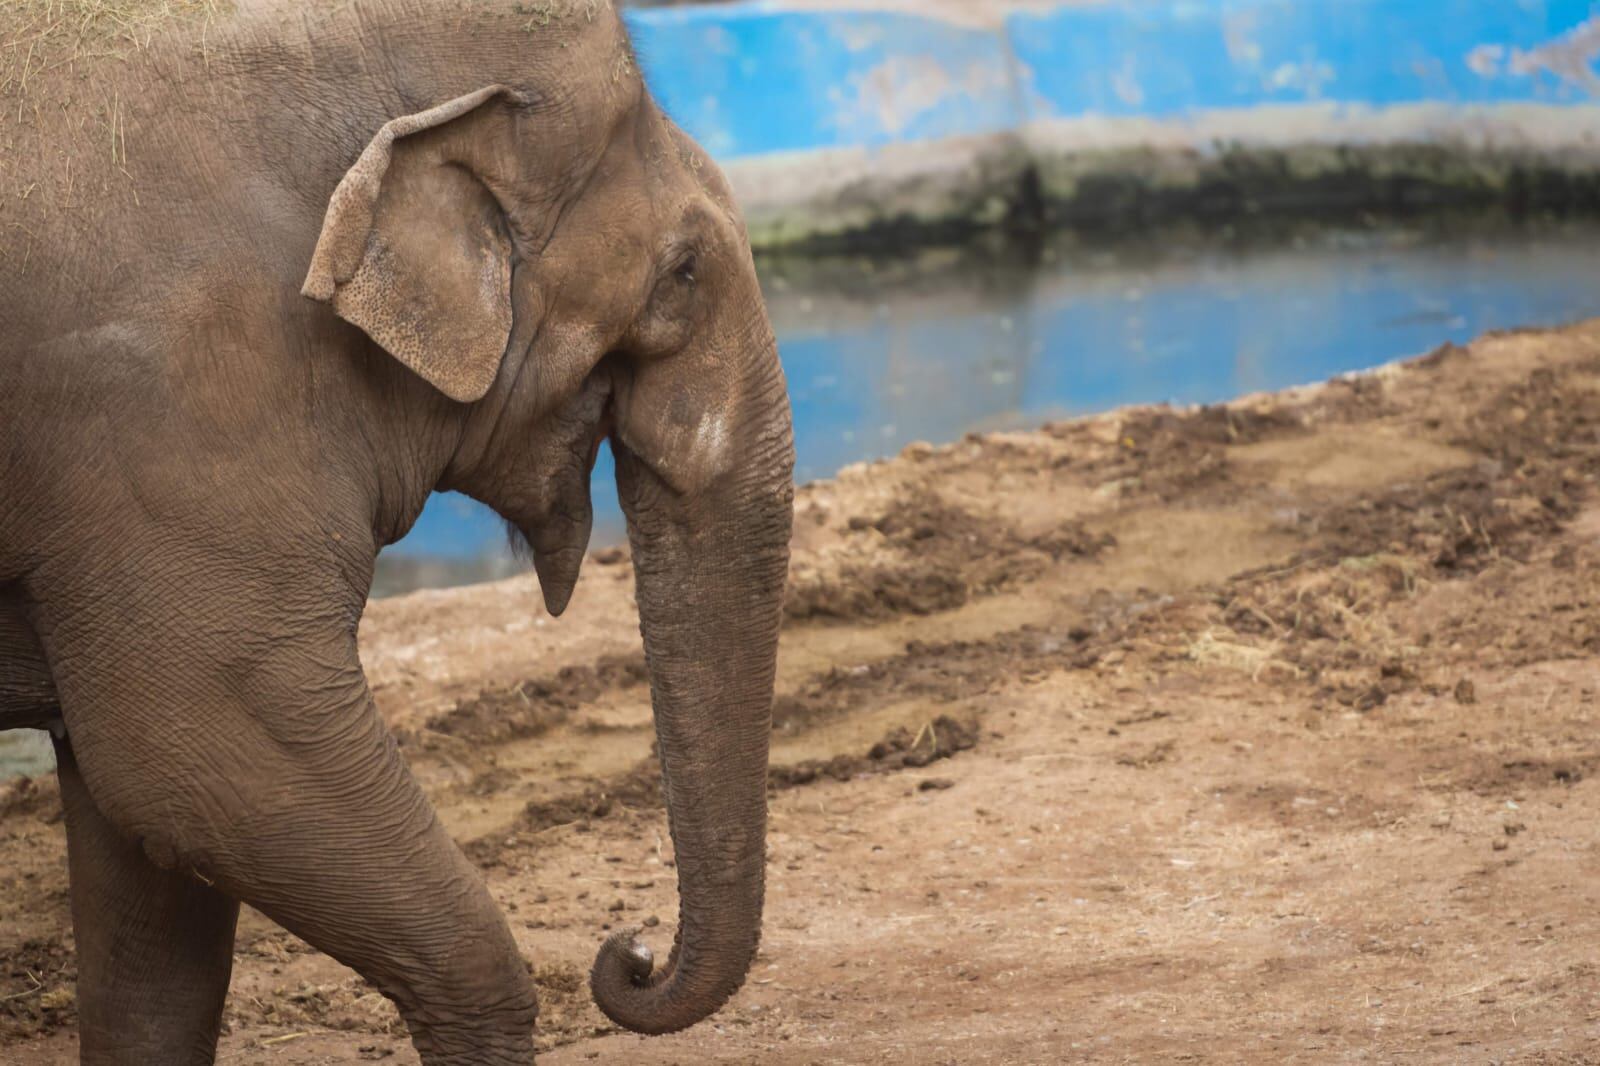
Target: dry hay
(40, 36)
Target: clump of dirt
(31, 797)
(1167, 453)
(923, 555)
(566, 1010)
(1456, 521)
(351, 1005)
(277, 945)
(640, 788)
(875, 592)
(534, 707)
(37, 982)
(1328, 616)
(937, 671)
(1325, 626)
(1550, 416)
(1525, 614)
(900, 749)
(1488, 775)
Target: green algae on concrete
(845, 199)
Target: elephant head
(565, 274)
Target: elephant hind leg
(155, 947)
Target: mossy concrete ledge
(843, 122)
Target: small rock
(651, 922)
(617, 905)
(1465, 693)
(1502, 844)
(933, 784)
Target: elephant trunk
(710, 568)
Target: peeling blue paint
(762, 77)
(1186, 57)
(751, 79)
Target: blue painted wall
(752, 79)
(1174, 59)
(759, 77)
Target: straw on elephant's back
(38, 35)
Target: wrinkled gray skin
(227, 386)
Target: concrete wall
(833, 116)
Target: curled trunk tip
(630, 994)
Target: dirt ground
(1259, 733)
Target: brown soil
(1256, 733)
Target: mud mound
(566, 1011)
(1551, 416)
(923, 555)
(1490, 776)
(1541, 442)
(534, 707)
(1457, 522)
(640, 788)
(1527, 614)
(936, 671)
(1167, 453)
(900, 749)
(351, 1006)
(1343, 615)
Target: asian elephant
(274, 272)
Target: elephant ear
(416, 251)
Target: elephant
(276, 271)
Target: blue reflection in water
(881, 353)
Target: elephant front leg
(273, 778)
(155, 947)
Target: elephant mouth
(555, 519)
(602, 433)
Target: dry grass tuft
(1212, 650)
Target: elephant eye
(685, 269)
